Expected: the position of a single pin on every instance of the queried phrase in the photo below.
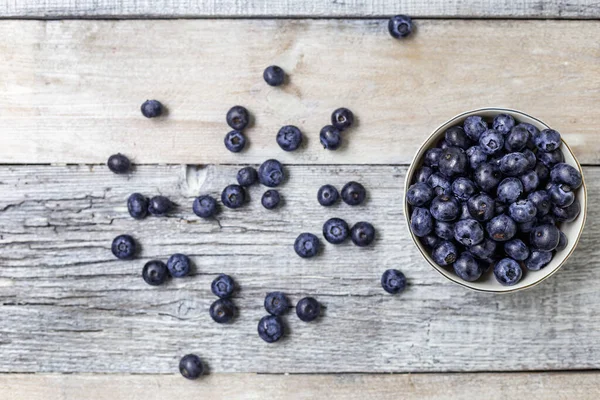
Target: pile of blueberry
(494, 195)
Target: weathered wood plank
(302, 8)
(538, 386)
(68, 306)
(72, 89)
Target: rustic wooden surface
(72, 89)
(69, 306)
(300, 8)
(536, 386)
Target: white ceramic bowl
(488, 283)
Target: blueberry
(491, 141)
(419, 194)
(567, 214)
(509, 190)
(549, 218)
(179, 265)
(467, 267)
(233, 196)
(530, 181)
(270, 328)
(544, 237)
(393, 281)
(235, 141)
(353, 193)
(270, 199)
(562, 242)
(503, 123)
(205, 206)
(247, 176)
(400, 26)
(222, 286)
(486, 177)
(541, 201)
(159, 206)
(538, 260)
(335, 230)
(453, 161)
(118, 163)
(528, 226)
(137, 205)
(468, 232)
(330, 137)
(530, 157)
(456, 136)
(517, 139)
(276, 303)
(484, 250)
(273, 75)
(308, 309)
(289, 138)
(155, 272)
(481, 207)
(530, 128)
(508, 272)
(306, 245)
(362, 234)
(513, 164)
(444, 230)
(445, 253)
(516, 249)
(123, 247)
(547, 140)
(542, 171)
(501, 228)
(423, 174)
(561, 194)
(327, 195)
(474, 126)
(564, 173)
(476, 156)
(270, 173)
(152, 108)
(500, 207)
(464, 210)
(421, 223)
(430, 241)
(432, 157)
(342, 118)
(522, 211)
(445, 208)
(551, 158)
(190, 366)
(440, 184)
(237, 118)
(222, 311)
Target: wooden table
(77, 323)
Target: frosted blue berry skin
(538, 260)
(152, 109)
(508, 272)
(289, 138)
(421, 222)
(566, 174)
(467, 267)
(274, 75)
(179, 265)
(547, 140)
(445, 253)
(393, 281)
(276, 303)
(400, 26)
(270, 328)
(474, 126)
(491, 141)
(235, 141)
(503, 123)
(191, 367)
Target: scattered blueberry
(517, 139)
(445, 208)
(538, 260)
(566, 174)
(393, 281)
(327, 195)
(342, 118)
(567, 214)
(306, 245)
(123, 247)
(137, 205)
(335, 230)
(481, 207)
(453, 162)
(516, 249)
(561, 194)
(155, 272)
(330, 137)
(276, 303)
(247, 176)
(159, 206)
(491, 141)
(474, 126)
(233, 196)
(270, 173)
(222, 286)
(544, 237)
(503, 123)
(508, 272)
(362, 234)
(440, 184)
(509, 190)
(522, 211)
(530, 181)
(235, 141)
(456, 136)
(476, 156)
(308, 309)
(118, 163)
(353, 193)
(420, 194)
(501, 228)
(190, 366)
(562, 242)
(270, 199)
(274, 75)
(421, 222)
(270, 328)
(444, 230)
(205, 206)
(547, 140)
(222, 311)
(432, 157)
(445, 253)
(179, 265)
(289, 138)
(468, 232)
(152, 108)
(467, 267)
(400, 26)
(237, 118)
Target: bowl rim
(413, 166)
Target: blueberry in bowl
(495, 200)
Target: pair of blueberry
(271, 327)
(139, 205)
(353, 193)
(156, 272)
(331, 135)
(336, 231)
(237, 118)
(223, 309)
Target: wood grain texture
(72, 89)
(68, 305)
(538, 386)
(300, 8)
